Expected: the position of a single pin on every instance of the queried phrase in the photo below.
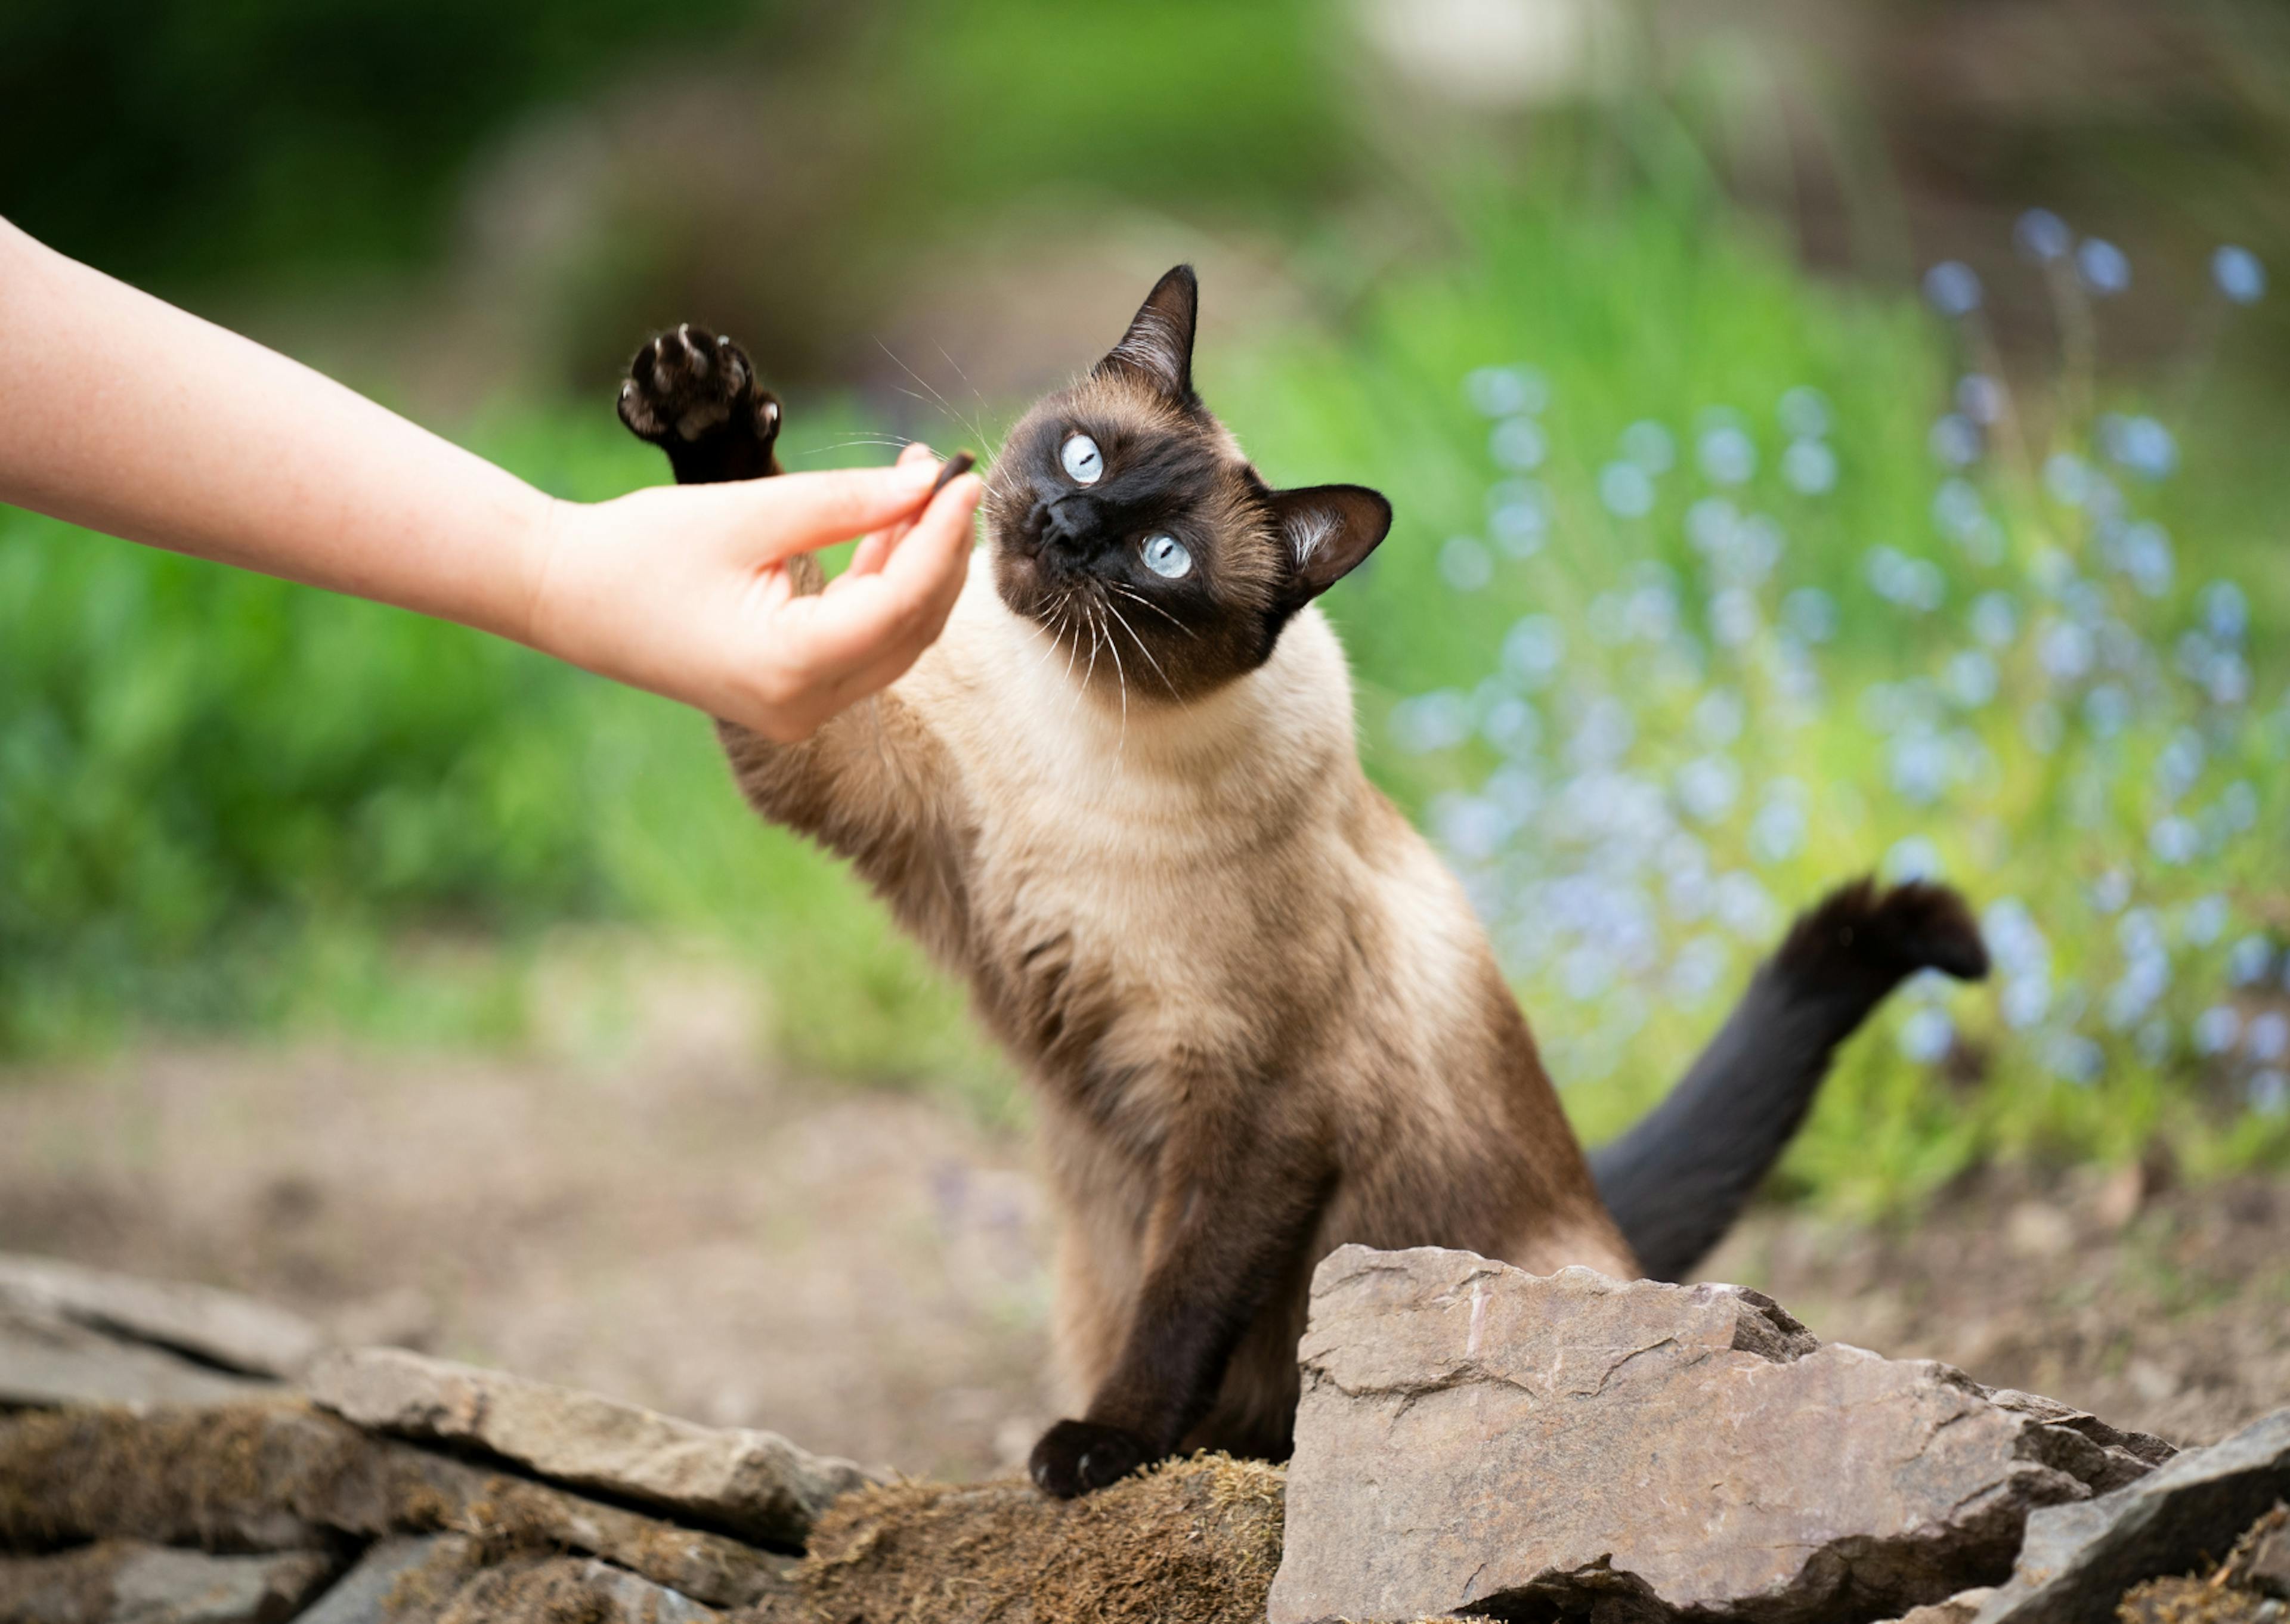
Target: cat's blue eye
(1083, 460)
(1166, 556)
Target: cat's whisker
(977, 422)
(1090, 619)
(1120, 676)
(1055, 634)
(1139, 642)
(1135, 597)
(795, 455)
(943, 403)
(1073, 644)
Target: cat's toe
(1077, 1458)
(689, 382)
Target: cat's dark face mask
(1128, 525)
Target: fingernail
(918, 473)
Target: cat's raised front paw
(694, 395)
(1077, 1458)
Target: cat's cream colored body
(1155, 903)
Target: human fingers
(902, 607)
(880, 545)
(801, 513)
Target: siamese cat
(1120, 798)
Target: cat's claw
(1077, 1458)
(694, 393)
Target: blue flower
(1972, 678)
(1995, 619)
(1625, 490)
(1534, 648)
(2248, 960)
(2067, 477)
(1648, 443)
(2267, 1038)
(1809, 467)
(2066, 649)
(2144, 553)
(1518, 444)
(2226, 612)
(1511, 725)
(1927, 1035)
(1471, 828)
(1804, 414)
(1519, 515)
(1777, 833)
(1505, 391)
(2174, 840)
(1707, 787)
(1810, 613)
(1955, 440)
(2270, 1092)
(1734, 618)
(1913, 583)
(1914, 858)
(1437, 720)
(2043, 236)
(1728, 454)
(2103, 265)
(2140, 444)
(1980, 398)
(1464, 564)
(2238, 274)
(2075, 1058)
(1952, 287)
(2107, 710)
(2027, 999)
(2216, 1028)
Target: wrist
(546, 545)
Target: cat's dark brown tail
(1677, 1181)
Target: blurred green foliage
(181, 140)
(223, 799)
(229, 804)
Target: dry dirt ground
(863, 1271)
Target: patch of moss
(1192, 1541)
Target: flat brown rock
(263, 1476)
(2079, 1558)
(220, 1327)
(755, 1484)
(126, 1581)
(46, 1360)
(398, 1581)
(1475, 1438)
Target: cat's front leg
(1238, 1201)
(874, 782)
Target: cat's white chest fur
(1125, 854)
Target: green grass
(228, 805)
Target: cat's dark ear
(1328, 530)
(1158, 349)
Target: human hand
(685, 591)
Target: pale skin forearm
(124, 414)
(128, 416)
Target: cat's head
(1128, 525)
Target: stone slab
(1472, 1438)
(755, 1484)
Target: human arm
(123, 413)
